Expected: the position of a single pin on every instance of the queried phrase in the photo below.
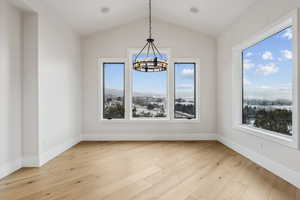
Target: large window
(113, 90)
(267, 83)
(149, 94)
(185, 97)
(128, 94)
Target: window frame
(128, 88)
(101, 62)
(237, 82)
(196, 62)
(130, 53)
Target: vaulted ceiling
(207, 16)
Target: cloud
(249, 54)
(248, 64)
(288, 33)
(247, 82)
(264, 87)
(267, 55)
(185, 86)
(268, 69)
(269, 92)
(188, 73)
(287, 54)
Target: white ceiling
(213, 16)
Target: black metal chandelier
(153, 61)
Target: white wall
(257, 17)
(60, 85)
(30, 103)
(114, 43)
(10, 87)
(50, 92)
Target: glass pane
(185, 96)
(149, 94)
(267, 83)
(113, 92)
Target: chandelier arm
(141, 51)
(148, 50)
(153, 49)
(158, 52)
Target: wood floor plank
(147, 171)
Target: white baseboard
(148, 137)
(280, 170)
(57, 150)
(10, 167)
(30, 161)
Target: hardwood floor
(147, 170)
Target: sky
(154, 83)
(149, 82)
(184, 80)
(268, 68)
(114, 76)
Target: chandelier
(149, 59)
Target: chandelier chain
(150, 20)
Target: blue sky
(152, 82)
(149, 82)
(114, 76)
(268, 67)
(184, 80)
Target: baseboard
(57, 150)
(10, 167)
(280, 170)
(148, 137)
(30, 161)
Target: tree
(114, 111)
(189, 109)
(278, 120)
(150, 106)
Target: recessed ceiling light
(104, 10)
(194, 10)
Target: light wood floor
(147, 170)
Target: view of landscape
(149, 89)
(149, 98)
(267, 83)
(113, 92)
(185, 90)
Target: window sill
(268, 135)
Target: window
(126, 94)
(267, 83)
(113, 91)
(149, 94)
(185, 91)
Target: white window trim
(292, 141)
(128, 88)
(197, 87)
(133, 51)
(101, 61)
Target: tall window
(185, 95)
(113, 90)
(149, 94)
(267, 83)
